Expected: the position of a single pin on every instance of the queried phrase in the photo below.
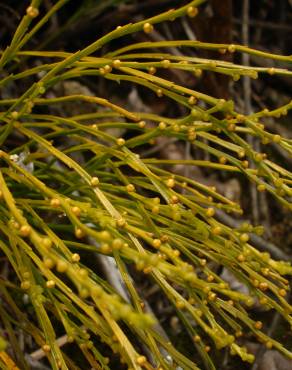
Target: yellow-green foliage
(109, 201)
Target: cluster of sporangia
(153, 233)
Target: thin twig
(247, 99)
(39, 354)
(189, 32)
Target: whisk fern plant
(70, 188)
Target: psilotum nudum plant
(85, 216)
